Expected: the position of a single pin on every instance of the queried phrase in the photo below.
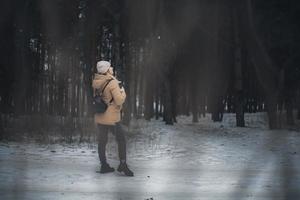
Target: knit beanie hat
(103, 66)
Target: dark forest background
(174, 57)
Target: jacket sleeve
(118, 96)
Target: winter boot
(105, 168)
(124, 168)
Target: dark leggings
(103, 137)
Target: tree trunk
(22, 55)
(141, 92)
(202, 106)
(266, 72)
(218, 109)
(149, 94)
(194, 104)
(128, 78)
(156, 105)
(135, 75)
(289, 110)
(298, 104)
(240, 121)
(238, 81)
(1, 128)
(148, 102)
(168, 102)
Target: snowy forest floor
(202, 160)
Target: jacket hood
(100, 80)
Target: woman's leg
(102, 141)
(120, 137)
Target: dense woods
(174, 58)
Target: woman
(109, 121)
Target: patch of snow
(184, 161)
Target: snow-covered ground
(202, 160)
